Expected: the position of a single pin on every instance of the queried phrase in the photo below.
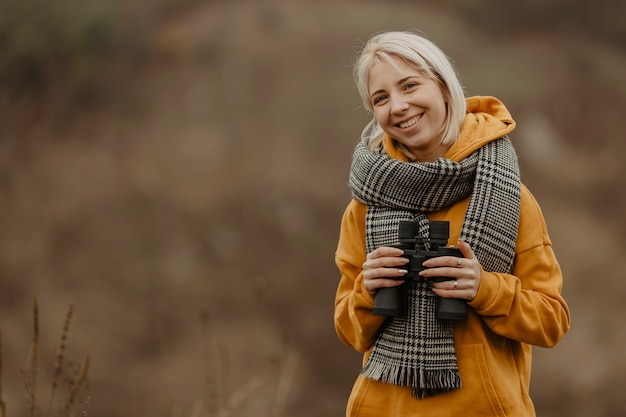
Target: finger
(374, 284)
(464, 289)
(443, 261)
(384, 251)
(443, 266)
(448, 285)
(384, 263)
(385, 258)
(466, 249)
(385, 272)
(387, 283)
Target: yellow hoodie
(510, 312)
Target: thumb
(465, 249)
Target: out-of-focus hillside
(182, 185)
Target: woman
(431, 154)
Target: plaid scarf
(415, 349)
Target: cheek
(444, 106)
(442, 110)
(380, 116)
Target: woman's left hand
(464, 274)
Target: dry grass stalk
(223, 372)
(58, 365)
(285, 382)
(3, 408)
(241, 395)
(76, 385)
(210, 365)
(31, 368)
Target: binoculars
(417, 249)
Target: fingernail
(403, 271)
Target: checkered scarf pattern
(415, 349)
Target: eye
(379, 99)
(411, 85)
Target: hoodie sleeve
(355, 323)
(527, 305)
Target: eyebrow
(400, 81)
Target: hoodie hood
(486, 119)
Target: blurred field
(177, 171)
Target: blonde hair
(429, 60)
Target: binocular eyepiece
(417, 249)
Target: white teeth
(409, 123)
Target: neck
(426, 155)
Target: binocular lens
(439, 230)
(408, 230)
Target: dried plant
(285, 382)
(58, 364)
(225, 399)
(31, 367)
(76, 385)
(31, 374)
(210, 364)
(3, 408)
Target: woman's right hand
(381, 266)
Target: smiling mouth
(410, 122)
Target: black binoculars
(417, 249)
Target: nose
(398, 104)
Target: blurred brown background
(177, 170)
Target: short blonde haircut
(429, 60)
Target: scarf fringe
(423, 383)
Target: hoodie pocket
(476, 378)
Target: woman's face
(408, 107)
